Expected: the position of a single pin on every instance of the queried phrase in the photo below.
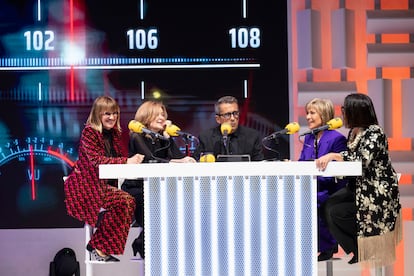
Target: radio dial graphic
(33, 170)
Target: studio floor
(30, 251)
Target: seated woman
(86, 195)
(365, 216)
(318, 113)
(153, 115)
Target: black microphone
(290, 128)
(138, 127)
(331, 124)
(158, 159)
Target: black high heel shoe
(99, 258)
(324, 256)
(354, 259)
(138, 245)
(328, 254)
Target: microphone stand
(226, 148)
(187, 145)
(316, 146)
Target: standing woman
(318, 113)
(96, 201)
(365, 216)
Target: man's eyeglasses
(108, 114)
(228, 115)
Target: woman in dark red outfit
(87, 196)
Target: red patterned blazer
(84, 191)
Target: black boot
(138, 245)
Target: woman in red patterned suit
(88, 197)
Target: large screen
(57, 56)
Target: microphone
(290, 128)
(174, 130)
(208, 158)
(138, 127)
(331, 124)
(225, 129)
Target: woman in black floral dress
(365, 216)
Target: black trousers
(340, 215)
(136, 189)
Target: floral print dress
(377, 197)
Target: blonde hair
(100, 105)
(148, 111)
(324, 107)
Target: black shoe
(354, 259)
(138, 245)
(99, 258)
(326, 255)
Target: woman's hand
(186, 159)
(322, 162)
(136, 159)
(189, 159)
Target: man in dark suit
(236, 141)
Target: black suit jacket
(243, 141)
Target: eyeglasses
(108, 114)
(228, 115)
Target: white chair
(88, 257)
(88, 234)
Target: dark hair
(359, 111)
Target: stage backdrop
(352, 46)
(57, 56)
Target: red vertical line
(244, 110)
(32, 173)
(72, 71)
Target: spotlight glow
(72, 54)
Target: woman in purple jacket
(318, 113)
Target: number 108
(245, 37)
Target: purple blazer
(331, 141)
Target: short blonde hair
(100, 105)
(148, 111)
(324, 107)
